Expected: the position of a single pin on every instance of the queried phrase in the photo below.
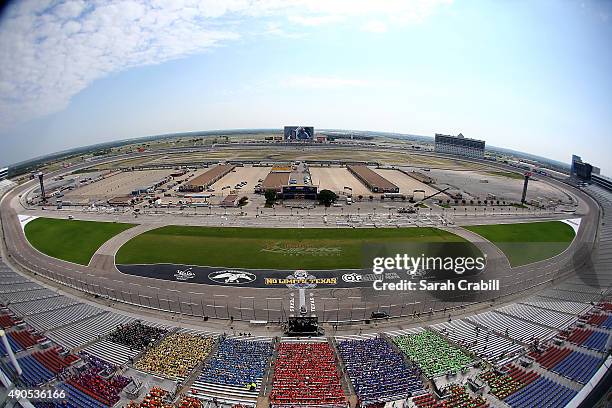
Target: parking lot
(121, 183)
(249, 174)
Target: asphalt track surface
(331, 303)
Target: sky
(533, 76)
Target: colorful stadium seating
(90, 382)
(176, 355)
(600, 320)
(237, 362)
(541, 393)
(154, 399)
(34, 373)
(306, 374)
(597, 341)
(579, 335)
(459, 398)
(432, 353)
(377, 371)
(551, 356)
(505, 385)
(52, 359)
(6, 321)
(578, 366)
(26, 338)
(15, 346)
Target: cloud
(375, 26)
(314, 21)
(50, 50)
(46, 58)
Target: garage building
(372, 180)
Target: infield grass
(71, 240)
(269, 248)
(529, 242)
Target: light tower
(523, 197)
(42, 187)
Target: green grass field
(528, 242)
(271, 248)
(71, 240)
(507, 174)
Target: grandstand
(484, 343)
(432, 353)
(175, 356)
(377, 372)
(136, 335)
(305, 373)
(232, 368)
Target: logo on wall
(232, 277)
(352, 277)
(301, 279)
(184, 275)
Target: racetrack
(333, 304)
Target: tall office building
(459, 145)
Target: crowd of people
(376, 370)
(238, 363)
(176, 355)
(432, 353)
(156, 398)
(305, 373)
(503, 385)
(458, 397)
(90, 382)
(136, 335)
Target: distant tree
(371, 197)
(270, 196)
(327, 197)
(243, 201)
(360, 197)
